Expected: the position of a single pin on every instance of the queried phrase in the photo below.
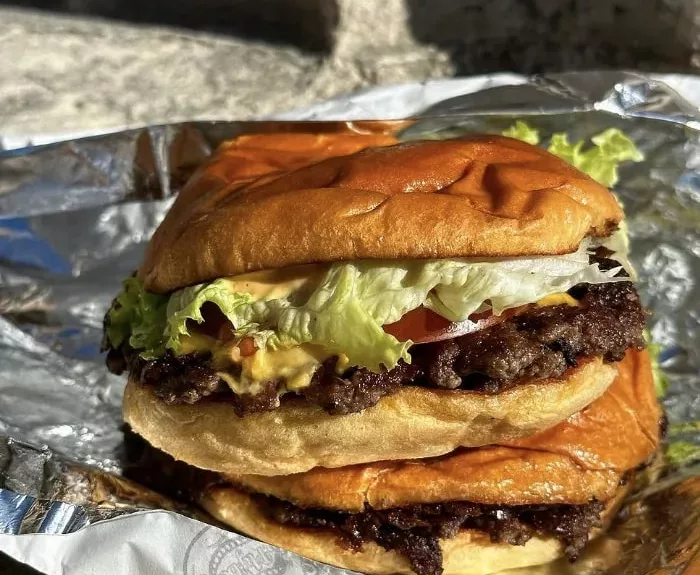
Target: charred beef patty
(538, 343)
(415, 530)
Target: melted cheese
(557, 299)
(197, 342)
(294, 365)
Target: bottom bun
(469, 553)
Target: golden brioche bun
(413, 423)
(486, 196)
(580, 459)
(469, 553)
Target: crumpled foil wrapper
(75, 217)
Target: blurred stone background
(73, 65)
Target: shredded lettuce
(619, 244)
(346, 311)
(600, 161)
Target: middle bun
(581, 459)
(413, 423)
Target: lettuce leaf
(684, 427)
(683, 451)
(137, 317)
(524, 132)
(332, 317)
(347, 309)
(601, 160)
(186, 305)
(339, 316)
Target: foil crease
(75, 217)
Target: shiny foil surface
(75, 217)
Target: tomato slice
(422, 325)
(247, 346)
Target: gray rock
(73, 74)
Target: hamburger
(422, 357)
(332, 300)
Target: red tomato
(423, 326)
(247, 346)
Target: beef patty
(540, 342)
(413, 530)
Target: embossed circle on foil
(213, 552)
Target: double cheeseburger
(393, 357)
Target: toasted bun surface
(578, 460)
(251, 156)
(469, 553)
(484, 196)
(413, 423)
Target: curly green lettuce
(347, 309)
(138, 318)
(524, 132)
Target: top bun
(485, 196)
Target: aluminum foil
(74, 220)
